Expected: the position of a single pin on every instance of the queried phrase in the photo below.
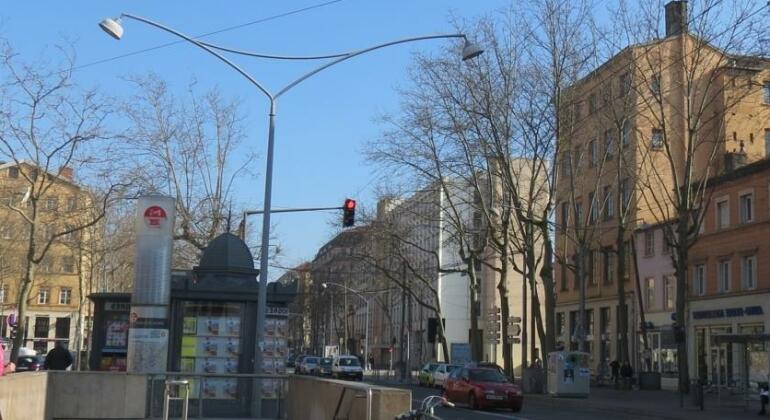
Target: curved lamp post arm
(204, 47)
(359, 52)
(271, 56)
(355, 292)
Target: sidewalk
(657, 404)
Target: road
(535, 408)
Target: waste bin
(568, 374)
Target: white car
(441, 373)
(347, 367)
(309, 365)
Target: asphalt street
(535, 408)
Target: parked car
(325, 367)
(347, 367)
(309, 365)
(442, 372)
(425, 377)
(482, 388)
(30, 363)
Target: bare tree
(48, 129)
(188, 148)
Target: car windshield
(311, 360)
(326, 361)
(432, 367)
(451, 368)
(487, 375)
(349, 361)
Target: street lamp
(114, 27)
(366, 326)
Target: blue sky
(322, 125)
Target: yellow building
(624, 146)
(52, 306)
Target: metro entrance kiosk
(212, 328)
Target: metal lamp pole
(114, 28)
(366, 326)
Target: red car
(482, 388)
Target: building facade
(618, 163)
(53, 306)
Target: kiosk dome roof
(227, 251)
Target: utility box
(568, 374)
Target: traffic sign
(513, 340)
(514, 319)
(514, 330)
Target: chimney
(735, 160)
(66, 172)
(676, 17)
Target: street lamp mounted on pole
(114, 27)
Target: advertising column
(148, 320)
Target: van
(347, 367)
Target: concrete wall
(316, 399)
(73, 395)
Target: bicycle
(426, 410)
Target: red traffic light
(350, 204)
(349, 213)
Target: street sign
(493, 317)
(513, 340)
(514, 330)
(514, 319)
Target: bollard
(167, 396)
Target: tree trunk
(622, 328)
(25, 287)
(681, 284)
(477, 351)
(547, 341)
(580, 331)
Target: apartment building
(617, 158)
(301, 308)
(52, 310)
(729, 273)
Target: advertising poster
(211, 344)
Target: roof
(32, 164)
(745, 170)
(227, 252)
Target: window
(749, 272)
(68, 264)
(72, 204)
(649, 243)
(766, 92)
(609, 203)
(589, 323)
(593, 149)
(609, 265)
(609, 146)
(669, 293)
(51, 203)
(565, 163)
(649, 292)
(42, 324)
(49, 231)
(13, 172)
(625, 194)
(564, 216)
(42, 296)
(578, 110)
(665, 245)
(559, 324)
(65, 296)
(578, 214)
(723, 214)
(657, 139)
(564, 285)
(655, 85)
(625, 85)
(767, 142)
(576, 157)
(590, 269)
(625, 138)
(4, 293)
(6, 231)
(594, 210)
(592, 108)
(46, 266)
(699, 280)
(746, 207)
(724, 276)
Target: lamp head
(324, 285)
(113, 27)
(471, 50)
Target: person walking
(764, 398)
(615, 367)
(371, 362)
(59, 358)
(627, 373)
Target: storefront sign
(728, 312)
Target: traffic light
(349, 213)
(14, 331)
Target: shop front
(723, 362)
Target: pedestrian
(615, 367)
(764, 398)
(59, 358)
(371, 362)
(5, 368)
(627, 373)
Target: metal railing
(217, 395)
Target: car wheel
(516, 408)
(472, 401)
